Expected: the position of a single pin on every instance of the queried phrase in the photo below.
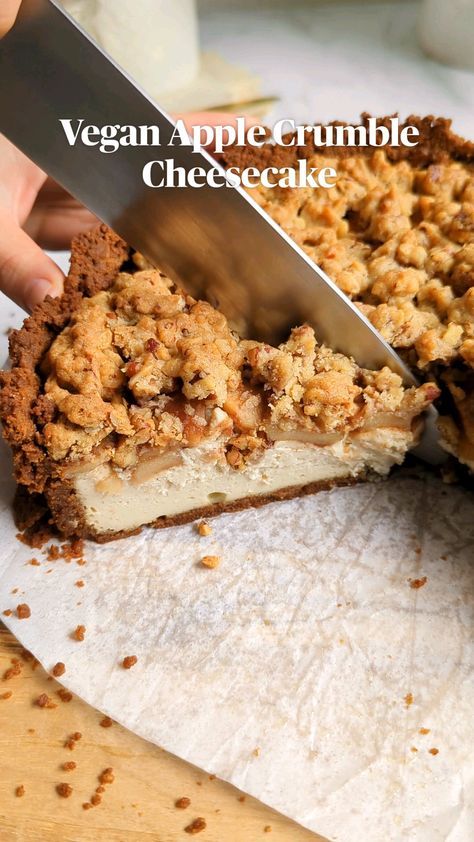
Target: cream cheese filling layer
(200, 476)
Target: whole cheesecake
(129, 403)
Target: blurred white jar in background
(446, 31)
(156, 41)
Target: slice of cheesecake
(130, 403)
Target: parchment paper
(286, 671)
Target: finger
(53, 227)
(8, 13)
(27, 274)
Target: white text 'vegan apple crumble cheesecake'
(130, 403)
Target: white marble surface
(331, 60)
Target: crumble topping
(398, 240)
(145, 366)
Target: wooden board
(138, 805)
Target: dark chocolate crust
(96, 259)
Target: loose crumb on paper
(129, 661)
(204, 529)
(416, 584)
(79, 633)
(210, 561)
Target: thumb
(27, 274)
(8, 13)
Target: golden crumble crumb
(424, 731)
(96, 799)
(204, 529)
(20, 791)
(8, 612)
(107, 776)
(44, 701)
(418, 583)
(414, 749)
(408, 699)
(58, 669)
(129, 661)
(211, 561)
(100, 789)
(196, 826)
(7, 695)
(241, 798)
(256, 752)
(106, 722)
(433, 751)
(64, 695)
(64, 790)
(267, 828)
(87, 805)
(79, 583)
(72, 740)
(182, 803)
(69, 766)
(34, 562)
(12, 672)
(23, 611)
(79, 633)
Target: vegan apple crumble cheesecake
(130, 403)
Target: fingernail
(38, 290)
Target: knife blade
(216, 242)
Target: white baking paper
(287, 670)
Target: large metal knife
(216, 242)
